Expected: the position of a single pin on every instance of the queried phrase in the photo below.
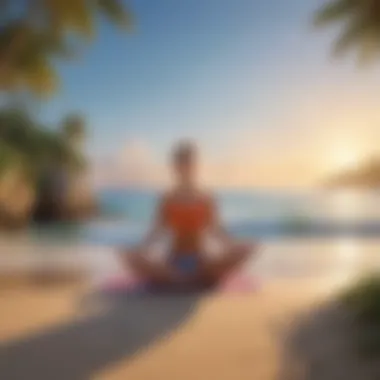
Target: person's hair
(184, 151)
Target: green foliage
(335, 11)
(9, 158)
(30, 67)
(115, 12)
(25, 142)
(42, 33)
(72, 128)
(368, 341)
(363, 300)
(360, 21)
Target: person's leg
(156, 272)
(214, 269)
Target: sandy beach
(50, 332)
(221, 337)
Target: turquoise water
(236, 206)
(126, 214)
(261, 214)
(300, 233)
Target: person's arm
(157, 228)
(218, 229)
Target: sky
(251, 81)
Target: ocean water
(325, 234)
(250, 205)
(266, 215)
(258, 214)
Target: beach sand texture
(286, 330)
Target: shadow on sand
(321, 346)
(79, 349)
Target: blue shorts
(186, 264)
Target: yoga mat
(235, 283)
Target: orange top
(187, 218)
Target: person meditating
(189, 215)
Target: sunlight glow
(344, 159)
(346, 261)
(346, 254)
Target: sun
(343, 159)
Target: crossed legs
(210, 270)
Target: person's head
(184, 159)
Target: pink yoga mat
(235, 283)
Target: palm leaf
(9, 157)
(81, 18)
(352, 34)
(73, 127)
(360, 27)
(30, 67)
(368, 49)
(115, 11)
(69, 15)
(336, 11)
(27, 145)
(40, 78)
(46, 34)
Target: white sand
(224, 337)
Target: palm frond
(9, 157)
(336, 11)
(73, 127)
(46, 35)
(27, 145)
(116, 12)
(69, 15)
(352, 34)
(40, 78)
(368, 49)
(81, 19)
